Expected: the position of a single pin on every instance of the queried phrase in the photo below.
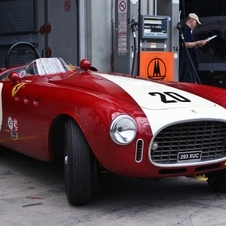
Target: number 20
(170, 97)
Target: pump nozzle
(134, 25)
(179, 26)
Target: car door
(24, 126)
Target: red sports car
(124, 124)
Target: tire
(217, 180)
(78, 165)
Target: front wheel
(78, 165)
(217, 180)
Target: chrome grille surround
(207, 136)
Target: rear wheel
(78, 165)
(217, 180)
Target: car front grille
(209, 137)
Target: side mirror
(14, 77)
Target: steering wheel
(28, 44)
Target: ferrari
(122, 124)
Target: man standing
(189, 65)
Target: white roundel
(22, 73)
(10, 123)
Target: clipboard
(210, 38)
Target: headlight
(123, 130)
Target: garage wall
(18, 22)
(61, 39)
(79, 29)
(99, 24)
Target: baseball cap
(194, 16)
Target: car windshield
(41, 66)
(46, 66)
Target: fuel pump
(145, 38)
(156, 60)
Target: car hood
(155, 95)
(146, 93)
(166, 104)
(163, 103)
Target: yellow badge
(16, 88)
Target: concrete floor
(32, 193)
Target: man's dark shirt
(187, 73)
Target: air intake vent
(139, 150)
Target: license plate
(192, 156)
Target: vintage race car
(126, 125)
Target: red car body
(161, 130)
